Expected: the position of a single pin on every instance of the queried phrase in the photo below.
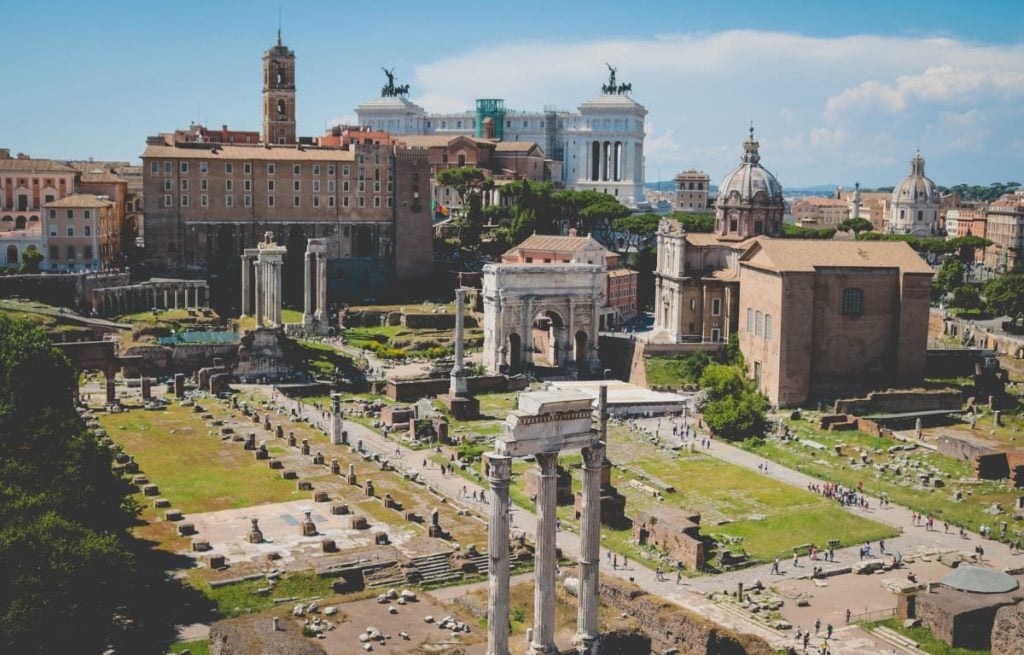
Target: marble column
(111, 394)
(277, 294)
(321, 286)
(176, 297)
(337, 426)
(257, 270)
(590, 537)
(459, 385)
(166, 306)
(499, 475)
(307, 289)
(545, 561)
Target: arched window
(853, 301)
(280, 107)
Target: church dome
(749, 179)
(915, 188)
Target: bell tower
(279, 94)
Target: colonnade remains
(546, 423)
(154, 294)
(315, 280)
(262, 267)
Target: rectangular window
(391, 186)
(184, 167)
(54, 252)
(204, 184)
(53, 213)
(168, 200)
(53, 230)
(344, 201)
(86, 213)
(391, 201)
(376, 201)
(758, 323)
(716, 306)
(344, 186)
(330, 169)
(316, 186)
(184, 200)
(154, 167)
(229, 185)
(87, 252)
(270, 201)
(344, 170)
(296, 185)
(88, 230)
(71, 213)
(362, 186)
(316, 201)
(167, 184)
(247, 200)
(376, 187)
(296, 169)
(330, 201)
(204, 200)
(71, 253)
(184, 184)
(768, 327)
(330, 186)
(167, 168)
(693, 304)
(247, 168)
(229, 201)
(362, 201)
(270, 185)
(316, 169)
(247, 185)
(203, 167)
(853, 302)
(271, 169)
(295, 201)
(229, 168)
(71, 230)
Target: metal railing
(874, 615)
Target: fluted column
(590, 536)
(258, 295)
(277, 294)
(545, 561)
(499, 475)
(307, 289)
(321, 285)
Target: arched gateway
(555, 306)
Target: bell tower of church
(279, 94)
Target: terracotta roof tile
(260, 153)
(554, 243)
(34, 166)
(801, 255)
(80, 200)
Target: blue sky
(838, 91)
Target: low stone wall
(411, 390)
(953, 362)
(900, 401)
(250, 635)
(190, 357)
(670, 626)
(962, 449)
(60, 289)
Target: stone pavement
(848, 640)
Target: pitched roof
(515, 146)
(802, 255)
(101, 177)
(261, 153)
(80, 200)
(34, 166)
(554, 243)
(437, 140)
(706, 239)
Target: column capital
(499, 468)
(547, 463)
(593, 456)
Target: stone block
(357, 522)
(216, 561)
(304, 485)
(339, 509)
(200, 545)
(150, 490)
(380, 538)
(185, 529)
(320, 497)
(173, 515)
(161, 503)
(288, 474)
(328, 546)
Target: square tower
(279, 94)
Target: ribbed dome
(915, 188)
(749, 179)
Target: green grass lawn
(667, 371)
(193, 469)
(197, 647)
(823, 464)
(242, 598)
(926, 641)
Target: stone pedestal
(338, 436)
(147, 389)
(255, 535)
(462, 408)
(179, 385)
(308, 527)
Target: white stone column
(321, 286)
(499, 475)
(590, 547)
(545, 561)
(337, 426)
(176, 297)
(260, 287)
(277, 293)
(459, 385)
(307, 289)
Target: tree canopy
(701, 223)
(949, 277)
(856, 225)
(731, 406)
(790, 231)
(1005, 295)
(63, 513)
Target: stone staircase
(905, 644)
(434, 568)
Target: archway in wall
(362, 241)
(12, 255)
(514, 353)
(19, 223)
(580, 346)
(547, 339)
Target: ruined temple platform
(626, 399)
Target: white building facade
(600, 147)
(915, 204)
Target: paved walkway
(848, 640)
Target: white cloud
(826, 109)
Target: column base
(462, 408)
(585, 644)
(539, 649)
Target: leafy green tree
(856, 225)
(966, 245)
(639, 228)
(950, 276)
(733, 354)
(695, 364)
(697, 223)
(30, 260)
(967, 298)
(63, 515)
(790, 231)
(722, 381)
(731, 406)
(1005, 295)
(468, 182)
